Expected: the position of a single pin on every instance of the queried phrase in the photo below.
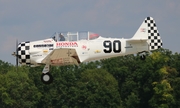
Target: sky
(30, 20)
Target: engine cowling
(23, 53)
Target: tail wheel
(143, 57)
(46, 78)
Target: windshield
(74, 36)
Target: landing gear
(143, 57)
(46, 78)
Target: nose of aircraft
(23, 53)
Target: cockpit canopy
(74, 36)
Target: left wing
(62, 56)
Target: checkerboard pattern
(23, 53)
(153, 34)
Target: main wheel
(142, 57)
(46, 78)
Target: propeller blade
(17, 53)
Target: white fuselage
(86, 50)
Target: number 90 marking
(116, 46)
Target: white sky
(29, 20)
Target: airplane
(73, 48)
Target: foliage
(17, 90)
(97, 88)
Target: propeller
(16, 53)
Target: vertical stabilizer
(148, 30)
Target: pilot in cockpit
(61, 37)
(54, 38)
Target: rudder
(154, 38)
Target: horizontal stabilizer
(137, 40)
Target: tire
(46, 78)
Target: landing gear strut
(46, 77)
(142, 57)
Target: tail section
(148, 31)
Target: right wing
(61, 57)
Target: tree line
(120, 82)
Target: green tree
(4, 67)
(17, 90)
(135, 77)
(97, 88)
(132, 101)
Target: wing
(61, 57)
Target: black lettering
(43, 45)
(116, 46)
(108, 46)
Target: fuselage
(87, 50)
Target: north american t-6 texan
(73, 48)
